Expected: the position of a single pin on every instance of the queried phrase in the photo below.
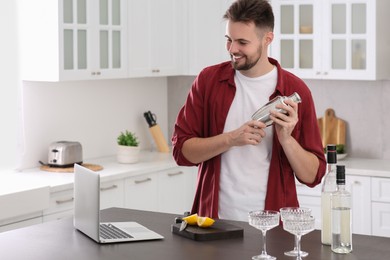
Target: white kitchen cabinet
(360, 188)
(73, 40)
(175, 193)
(310, 198)
(206, 37)
(171, 190)
(380, 195)
(155, 39)
(60, 205)
(112, 194)
(141, 192)
(332, 39)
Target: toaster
(65, 154)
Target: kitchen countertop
(57, 181)
(61, 240)
(149, 161)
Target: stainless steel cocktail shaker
(262, 114)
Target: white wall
(8, 84)
(91, 112)
(364, 105)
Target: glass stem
(298, 237)
(264, 251)
(295, 243)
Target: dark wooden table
(59, 240)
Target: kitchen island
(59, 240)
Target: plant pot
(128, 154)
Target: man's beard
(249, 63)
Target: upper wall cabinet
(73, 39)
(206, 34)
(156, 34)
(333, 39)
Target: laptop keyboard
(108, 231)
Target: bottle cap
(340, 174)
(331, 154)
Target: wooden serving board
(93, 167)
(219, 230)
(332, 129)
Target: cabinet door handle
(356, 183)
(64, 201)
(142, 181)
(156, 71)
(112, 187)
(171, 174)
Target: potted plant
(128, 149)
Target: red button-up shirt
(204, 115)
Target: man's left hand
(285, 123)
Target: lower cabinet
(169, 191)
(175, 193)
(360, 188)
(141, 192)
(60, 205)
(380, 195)
(112, 194)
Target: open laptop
(87, 213)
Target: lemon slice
(191, 219)
(205, 222)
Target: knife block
(159, 139)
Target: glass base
(294, 253)
(259, 257)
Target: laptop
(87, 213)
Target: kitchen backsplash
(362, 104)
(90, 112)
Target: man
(244, 165)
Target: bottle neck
(341, 186)
(331, 167)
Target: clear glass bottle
(263, 113)
(341, 216)
(328, 187)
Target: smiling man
(244, 165)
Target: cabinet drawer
(112, 194)
(141, 192)
(173, 190)
(381, 219)
(380, 190)
(60, 201)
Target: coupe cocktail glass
(299, 212)
(264, 220)
(299, 227)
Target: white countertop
(149, 162)
(34, 178)
(366, 167)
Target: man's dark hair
(257, 11)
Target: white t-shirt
(244, 169)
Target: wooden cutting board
(332, 129)
(219, 230)
(93, 167)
